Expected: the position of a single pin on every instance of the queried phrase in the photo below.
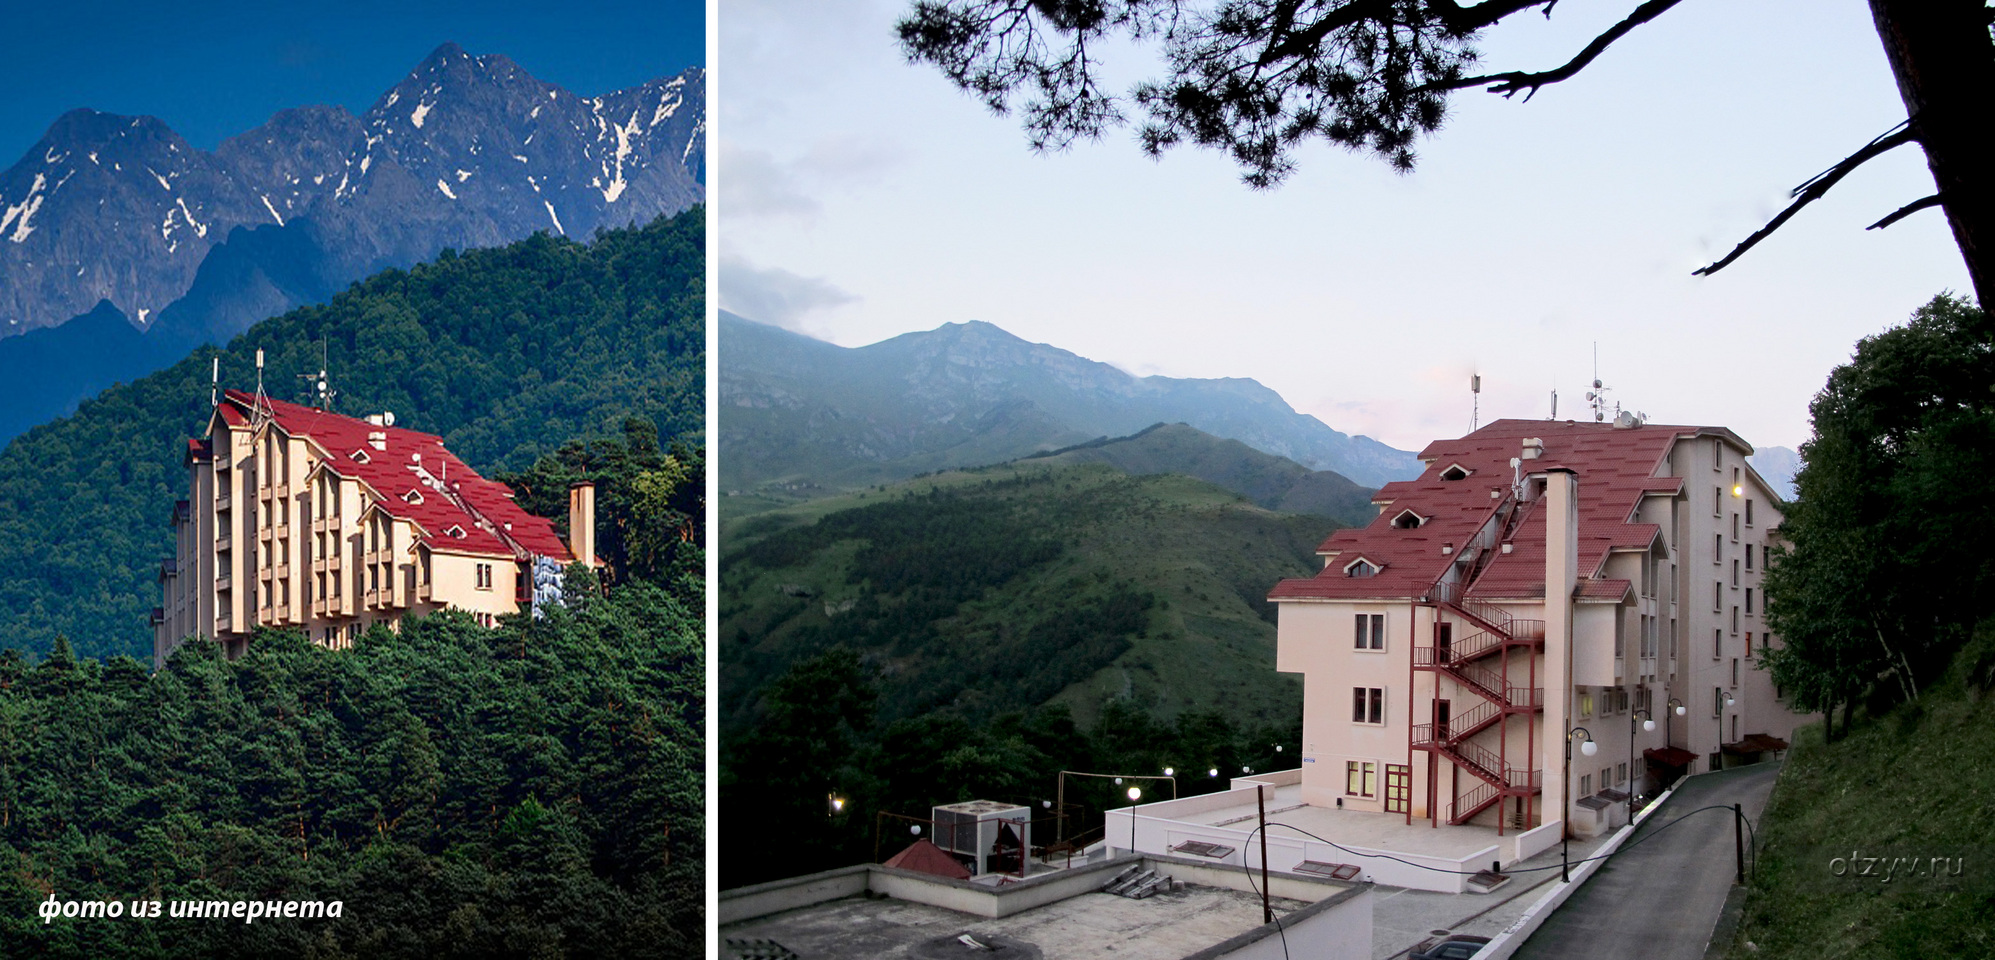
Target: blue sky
(212, 70)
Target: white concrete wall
(1340, 930)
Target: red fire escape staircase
(1468, 662)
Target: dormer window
(455, 532)
(413, 497)
(1361, 568)
(1408, 520)
(360, 456)
(1456, 472)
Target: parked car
(1454, 946)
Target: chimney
(582, 522)
(378, 439)
(1534, 447)
(1561, 575)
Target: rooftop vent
(1534, 447)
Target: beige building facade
(1443, 680)
(300, 518)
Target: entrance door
(1398, 787)
(1441, 716)
(1444, 641)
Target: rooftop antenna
(321, 387)
(262, 414)
(215, 381)
(1475, 403)
(1598, 395)
(1555, 403)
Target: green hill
(1276, 483)
(505, 353)
(1006, 587)
(1913, 782)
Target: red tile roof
(393, 473)
(1616, 468)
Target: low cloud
(777, 296)
(755, 184)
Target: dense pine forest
(529, 791)
(506, 353)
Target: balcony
(223, 503)
(224, 544)
(224, 624)
(423, 592)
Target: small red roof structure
(922, 856)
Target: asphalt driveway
(1659, 899)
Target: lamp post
(1648, 723)
(1135, 794)
(1586, 748)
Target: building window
(1621, 773)
(1717, 644)
(1735, 618)
(1735, 528)
(1717, 548)
(1717, 501)
(1735, 671)
(1717, 596)
(1749, 556)
(1361, 569)
(1717, 701)
(1586, 784)
(1749, 644)
(1717, 453)
(1360, 778)
(1368, 705)
(484, 576)
(1586, 704)
(1749, 513)
(1749, 601)
(1370, 631)
(1735, 574)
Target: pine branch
(1514, 82)
(1813, 189)
(1906, 211)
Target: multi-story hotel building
(1444, 679)
(301, 518)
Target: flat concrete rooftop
(1355, 828)
(1165, 926)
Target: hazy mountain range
(113, 218)
(802, 414)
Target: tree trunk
(1944, 61)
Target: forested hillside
(506, 353)
(529, 791)
(1012, 586)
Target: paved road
(1660, 899)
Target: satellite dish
(388, 418)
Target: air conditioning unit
(979, 829)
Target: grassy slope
(1207, 555)
(1919, 781)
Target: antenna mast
(262, 414)
(1475, 403)
(215, 382)
(319, 384)
(1598, 395)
